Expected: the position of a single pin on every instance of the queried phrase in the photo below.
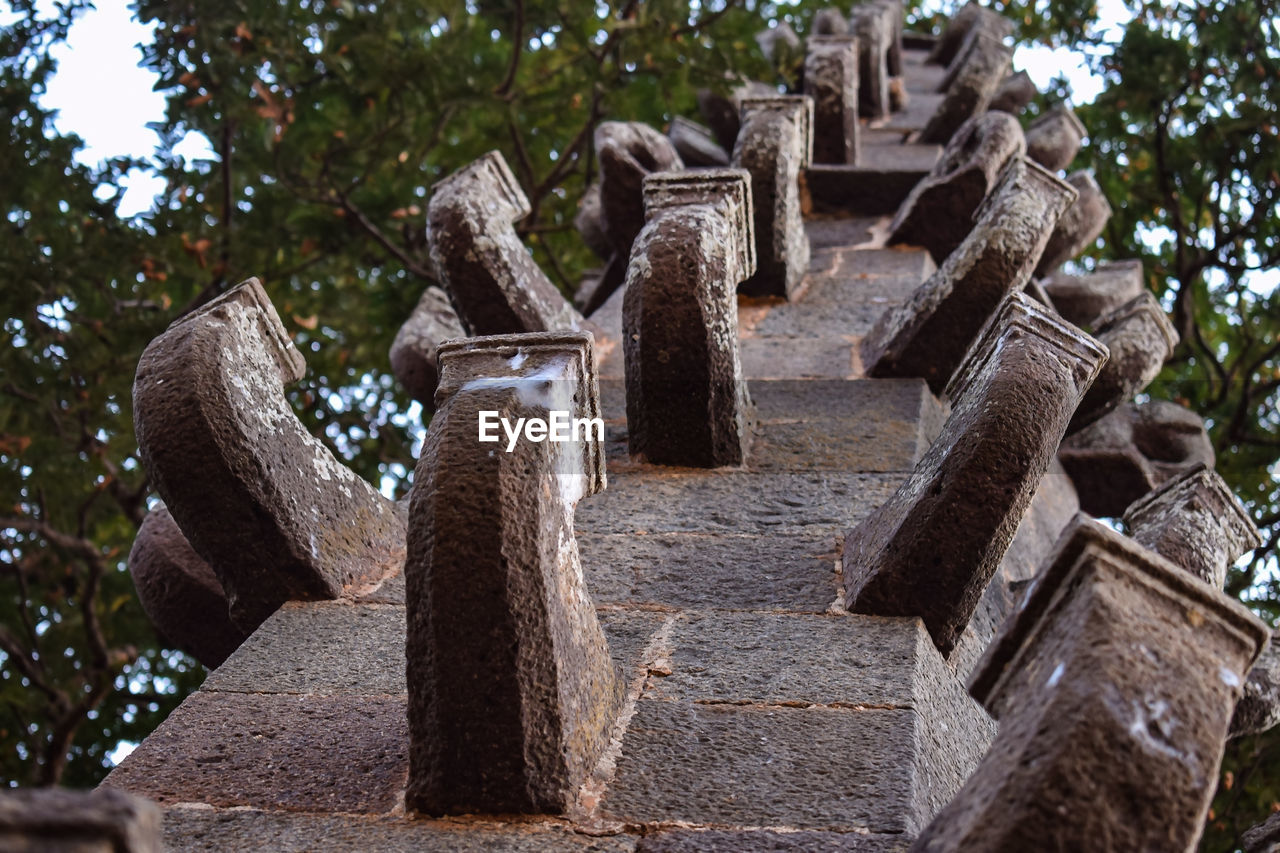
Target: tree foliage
(331, 119)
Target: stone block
(778, 41)
(261, 500)
(929, 335)
(828, 22)
(775, 143)
(589, 221)
(721, 111)
(687, 403)
(1194, 521)
(1082, 299)
(493, 282)
(1015, 92)
(931, 549)
(766, 841)
(1079, 226)
(56, 820)
(413, 352)
(1114, 685)
(1259, 708)
(1119, 458)
(874, 27)
(972, 14)
(1140, 339)
(979, 72)
(695, 144)
(831, 79)
(1265, 837)
(512, 693)
(1054, 139)
(180, 592)
(939, 213)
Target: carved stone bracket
(831, 79)
(874, 26)
(1082, 299)
(1079, 226)
(57, 820)
(1054, 139)
(970, 15)
(696, 145)
(978, 73)
(512, 692)
(687, 403)
(413, 352)
(260, 499)
(930, 550)
(1014, 94)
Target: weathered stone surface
(1259, 708)
(695, 144)
(1265, 837)
(971, 15)
(930, 334)
(1119, 458)
(1014, 94)
(875, 27)
(1114, 685)
(205, 830)
(829, 22)
(589, 220)
(1082, 299)
(775, 143)
(979, 71)
(413, 352)
(1140, 339)
(778, 40)
(765, 841)
(1079, 226)
(492, 280)
(56, 820)
(687, 403)
(512, 694)
(306, 753)
(721, 112)
(1194, 521)
(876, 186)
(939, 213)
(180, 592)
(932, 548)
(1055, 137)
(831, 79)
(264, 503)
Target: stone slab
(870, 190)
(292, 752)
(214, 830)
(838, 232)
(800, 358)
(766, 841)
(920, 108)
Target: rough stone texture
(1014, 94)
(932, 548)
(262, 501)
(775, 143)
(721, 112)
(1079, 226)
(1265, 837)
(413, 352)
(829, 22)
(205, 830)
(979, 71)
(874, 26)
(291, 752)
(695, 144)
(1259, 708)
(1055, 137)
(929, 335)
(777, 41)
(971, 15)
(687, 403)
(55, 820)
(493, 282)
(1194, 521)
(1114, 686)
(765, 841)
(180, 592)
(1082, 299)
(512, 693)
(589, 220)
(1119, 458)
(876, 186)
(939, 213)
(831, 79)
(1140, 339)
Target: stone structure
(1140, 339)
(1259, 708)
(931, 549)
(180, 593)
(775, 143)
(1014, 94)
(695, 144)
(1054, 138)
(978, 72)
(512, 693)
(875, 27)
(831, 80)
(413, 352)
(265, 504)
(929, 336)
(49, 820)
(939, 213)
(721, 112)
(781, 36)
(1113, 685)
(1079, 226)
(829, 22)
(492, 280)
(1265, 837)
(971, 16)
(1194, 521)
(1082, 299)
(686, 401)
(1131, 451)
